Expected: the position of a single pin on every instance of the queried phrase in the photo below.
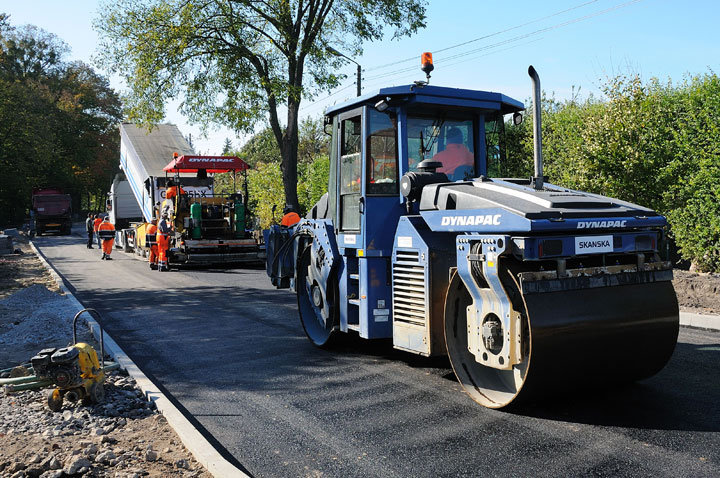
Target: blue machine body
(383, 261)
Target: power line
(446, 67)
(514, 39)
(484, 37)
(328, 96)
(394, 74)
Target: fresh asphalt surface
(230, 349)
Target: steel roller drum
(595, 336)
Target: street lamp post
(359, 68)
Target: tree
(57, 121)
(241, 62)
(227, 147)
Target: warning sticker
(404, 241)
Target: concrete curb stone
(700, 321)
(193, 440)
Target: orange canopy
(213, 164)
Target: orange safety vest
(106, 230)
(172, 192)
(290, 219)
(151, 235)
(96, 224)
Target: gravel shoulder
(122, 437)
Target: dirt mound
(698, 292)
(18, 271)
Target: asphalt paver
(231, 351)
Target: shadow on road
(685, 395)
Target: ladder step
(354, 302)
(355, 276)
(355, 327)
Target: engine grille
(409, 294)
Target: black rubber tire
(97, 392)
(318, 335)
(54, 400)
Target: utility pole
(359, 68)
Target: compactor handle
(97, 317)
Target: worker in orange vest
(151, 242)
(106, 231)
(290, 217)
(96, 224)
(173, 190)
(164, 229)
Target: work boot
(103, 257)
(153, 267)
(108, 258)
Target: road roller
(531, 289)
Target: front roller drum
(585, 337)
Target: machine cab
(378, 138)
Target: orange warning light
(426, 62)
(175, 155)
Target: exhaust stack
(537, 180)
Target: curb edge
(194, 441)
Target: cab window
(448, 141)
(382, 154)
(350, 173)
(494, 145)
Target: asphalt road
(231, 351)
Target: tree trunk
(288, 165)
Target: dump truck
(216, 233)
(530, 288)
(52, 211)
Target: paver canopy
(213, 164)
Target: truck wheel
(126, 244)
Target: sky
(572, 44)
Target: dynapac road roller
(529, 288)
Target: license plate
(593, 244)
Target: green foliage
(227, 147)
(313, 182)
(265, 190)
(263, 155)
(692, 195)
(654, 144)
(57, 122)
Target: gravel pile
(40, 317)
(122, 437)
